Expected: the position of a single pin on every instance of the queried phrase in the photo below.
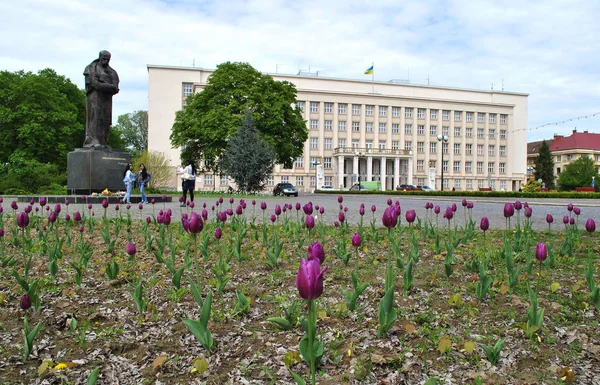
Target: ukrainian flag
(369, 71)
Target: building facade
(566, 149)
(382, 131)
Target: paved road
(489, 207)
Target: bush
(532, 186)
(21, 177)
(158, 166)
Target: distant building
(566, 149)
(386, 131)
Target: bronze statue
(101, 83)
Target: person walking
(143, 178)
(188, 176)
(128, 179)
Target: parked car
(327, 188)
(287, 189)
(424, 188)
(406, 187)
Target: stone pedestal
(93, 170)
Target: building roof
(533, 147)
(577, 140)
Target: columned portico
(367, 155)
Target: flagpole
(373, 76)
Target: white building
(384, 131)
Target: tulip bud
(389, 218)
(590, 225)
(43, 201)
(273, 218)
(464, 203)
(566, 219)
(263, 205)
(22, 220)
(454, 207)
(576, 210)
(195, 223)
(336, 224)
(373, 208)
(570, 207)
(239, 210)
(105, 203)
(572, 221)
(309, 280)
(437, 209)
(218, 233)
(340, 199)
(222, 215)
(485, 224)
(356, 240)
(130, 249)
(411, 215)
(316, 251)
(253, 202)
(14, 205)
(518, 205)
(1, 233)
(25, 302)
(309, 221)
(321, 210)
(509, 210)
(81, 229)
(220, 199)
(153, 201)
(298, 206)
(341, 217)
(549, 218)
(541, 251)
(528, 212)
(204, 214)
(389, 201)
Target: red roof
(578, 140)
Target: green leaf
(93, 377)
(196, 293)
(297, 378)
(280, 322)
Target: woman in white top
(189, 181)
(128, 179)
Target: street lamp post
(443, 139)
(316, 164)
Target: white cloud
(548, 49)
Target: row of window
(458, 183)
(491, 166)
(408, 112)
(408, 129)
(328, 145)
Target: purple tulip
(253, 202)
(389, 201)
(130, 249)
(470, 205)
(229, 212)
(518, 205)
(316, 251)
(89, 206)
(389, 218)
(25, 302)
(590, 225)
(309, 280)
(572, 221)
(153, 201)
(148, 220)
(204, 214)
(159, 218)
(14, 205)
(570, 207)
(549, 218)
(273, 218)
(509, 210)
(309, 221)
(191, 204)
(485, 224)
(308, 209)
(340, 199)
(81, 229)
(28, 209)
(263, 205)
(195, 223)
(373, 208)
(298, 206)
(528, 212)
(449, 214)
(42, 201)
(576, 210)
(104, 203)
(66, 202)
(356, 240)
(128, 206)
(566, 219)
(222, 215)
(1, 233)
(67, 218)
(166, 219)
(22, 220)
(454, 207)
(116, 207)
(220, 199)
(336, 224)
(218, 233)
(411, 215)
(464, 203)
(181, 199)
(437, 209)
(341, 217)
(239, 210)
(541, 251)
(361, 211)
(321, 210)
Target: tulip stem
(312, 320)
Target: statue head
(104, 58)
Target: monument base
(91, 170)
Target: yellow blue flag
(369, 70)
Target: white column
(410, 171)
(340, 171)
(369, 168)
(354, 167)
(383, 173)
(396, 172)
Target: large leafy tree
(248, 159)
(42, 116)
(544, 165)
(133, 129)
(203, 128)
(578, 174)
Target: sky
(549, 49)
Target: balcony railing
(370, 151)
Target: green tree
(42, 116)
(202, 129)
(578, 174)
(248, 159)
(133, 129)
(544, 165)
(532, 186)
